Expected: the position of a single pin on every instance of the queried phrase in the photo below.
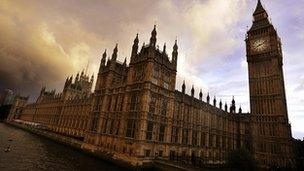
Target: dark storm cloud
(27, 61)
(44, 41)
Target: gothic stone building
(65, 113)
(135, 114)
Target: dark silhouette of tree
(299, 154)
(241, 159)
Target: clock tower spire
(271, 129)
(260, 10)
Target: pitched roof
(259, 8)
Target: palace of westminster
(136, 114)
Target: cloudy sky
(42, 42)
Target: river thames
(31, 152)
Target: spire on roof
(192, 91)
(104, 55)
(164, 49)
(87, 67)
(259, 9)
(136, 39)
(125, 62)
(153, 37)
(260, 18)
(175, 47)
(92, 78)
(175, 53)
(183, 87)
(221, 104)
(114, 55)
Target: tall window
(97, 103)
(224, 142)
(138, 73)
(149, 130)
(117, 127)
(152, 106)
(166, 80)
(176, 110)
(194, 137)
(94, 122)
(203, 140)
(122, 102)
(134, 101)
(131, 121)
(155, 75)
(164, 107)
(174, 135)
(115, 104)
(131, 125)
(217, 141)
(109, 104)
(104, 129)
(210, 140)
(111, 126)
(185, 136)
(161, 132)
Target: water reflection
(31, 152)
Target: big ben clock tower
(272, 141)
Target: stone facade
(18, 105)
(135, 113)
(65, 113)
(272, 140)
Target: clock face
(259, 45)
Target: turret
(71, 80)
(66, 82)
(192, 91)
(114, 55)
(208, 99)
(135, 46)
(53, 92)
(42, 90)
(164, 49)
(103, 60)
(232, 107)
(153, 37)
(183, 87)
(175, 53)
(201, 95)
(226, 107)
(125, 62)
(240, 109)
(92, 78)
(77, 77)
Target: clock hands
(259, 44)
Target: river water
(31, 152)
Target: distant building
(7, 97)
(6, 100)
(136, 114)
(17, 107)
(11, 104)
(66, 113)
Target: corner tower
(271, 128)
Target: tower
(271, 129)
